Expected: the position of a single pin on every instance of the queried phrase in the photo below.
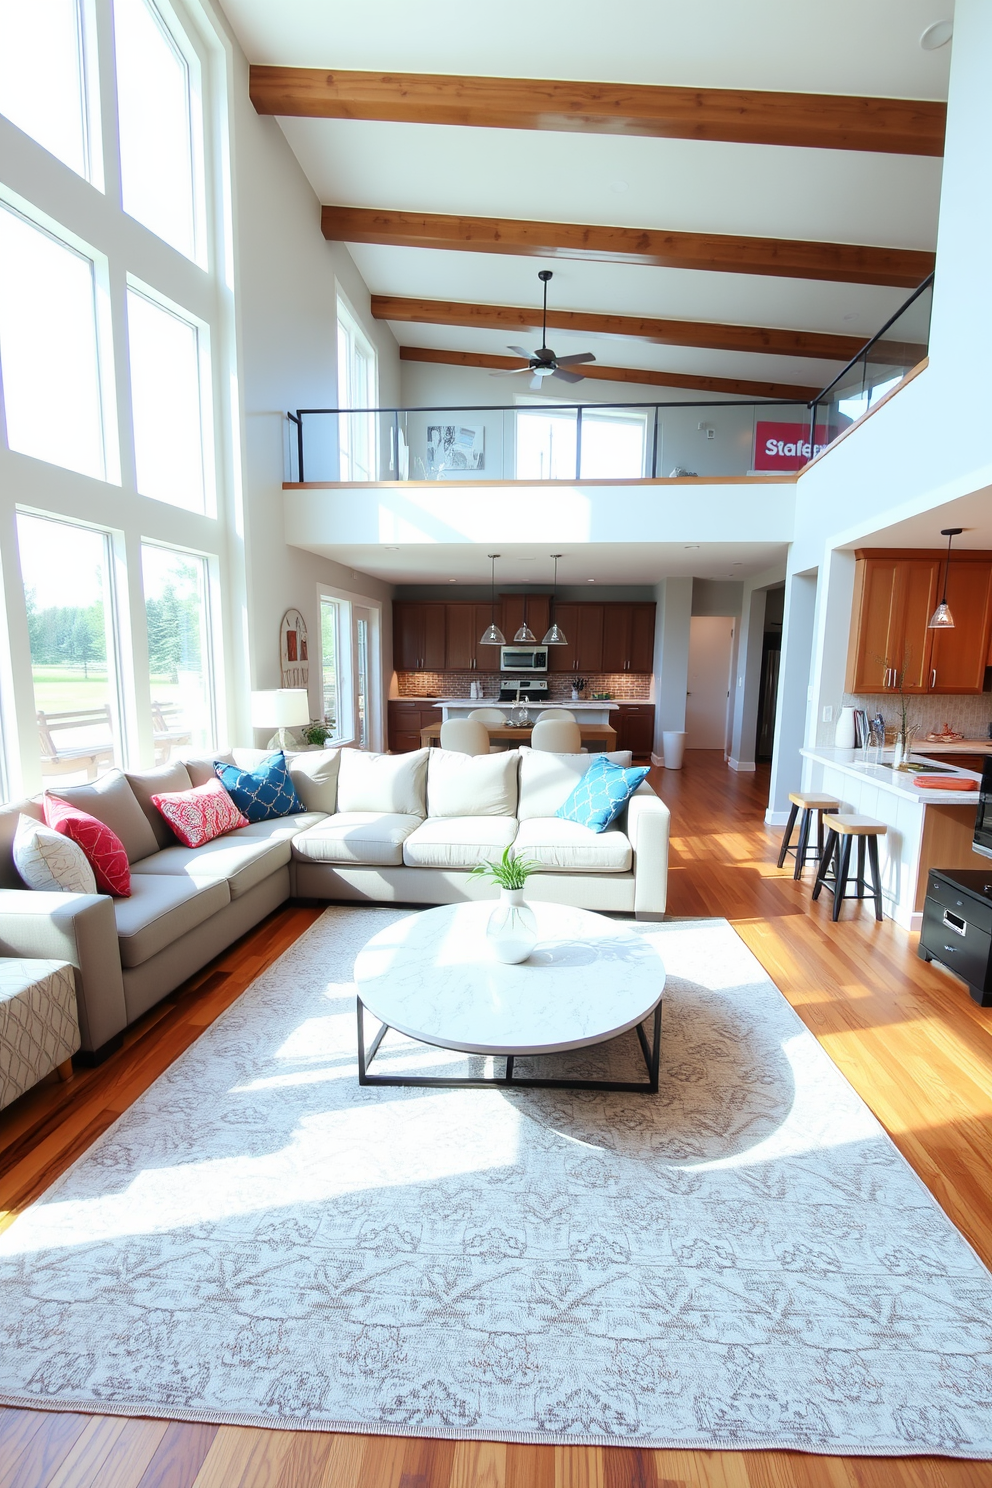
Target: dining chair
(465, 736)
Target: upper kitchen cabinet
(516, 608)
(465, 624)
(418, 636)
(628, 637)
(895, 593)
(583, 628)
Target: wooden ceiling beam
(512, 319)
(791, 258)
(902, 126)
(638, 375)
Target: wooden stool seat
(809, 804)
(842, 831)
(857, 826)
(813, 803)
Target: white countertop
(954, 746)
(466, 702)
(898, 782)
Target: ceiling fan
(543, 362)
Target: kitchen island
(597, 710)
(925, 828)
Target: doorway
(771, 656)
(711, 641)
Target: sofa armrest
(81, 929)
(648, 824)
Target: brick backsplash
(623, 686)
(970, 715)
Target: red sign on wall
(786, 446)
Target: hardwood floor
(906, 1035)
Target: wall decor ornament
(293, 650)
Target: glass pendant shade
(555, 636)
(941, 619)
(525, 633)
(492, 636)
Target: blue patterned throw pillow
(262, 793)
(601, 794)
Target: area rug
(744, 1261)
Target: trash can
(674, 747)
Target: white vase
(844, 737)
(512, 928)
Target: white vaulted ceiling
(856, 47)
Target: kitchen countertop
(953, 746)
(898, 782)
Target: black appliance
(957, 926)
(982, 842)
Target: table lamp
(283, 709)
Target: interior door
(708, 686)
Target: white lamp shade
(286, 707)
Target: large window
(613, 445)
(166, 402)
(43, 78)
(68, 591)
(357, 388)
(49, 348)
(333, 633)
(158, 114)
(176, 586)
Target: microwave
(523, 658)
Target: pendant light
(942, 619)
(524, 632)
(555, 636)
(493, 636)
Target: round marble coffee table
(432, 977)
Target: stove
(531, 689)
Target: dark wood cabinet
(895, 593)
(406, 717)
(418, 636)
(583, 627)
(515, 608)
(634, 723)
(464, 624)
(628, 637)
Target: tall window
(67, 588)
(43, 83)
(331, 662)
(177, 612)
(49, 353)
(157, 110)
(614, 444)
(357, 388)
(546, 444)
(166, 403)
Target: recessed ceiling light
(390, 549)
(590, 581)
(452, 581)
(936, 36)
(620, 186)
(851, 315)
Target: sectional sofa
(387, 829)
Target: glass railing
(879, 367)
(547, 441)
(535, 440)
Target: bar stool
(809, 804)
(838, 847)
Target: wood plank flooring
(906, 1035)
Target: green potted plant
(316, 734)
(512, 928)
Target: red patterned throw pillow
(201, 814)
(103, 848)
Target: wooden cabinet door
(565, 658)
(641, 655)
(485, 658)
(516, 607)
(958, 657)
(634, 724)
(407, 636)
(589, 638)
(434, 637)
(617, 623)
(460, 644)
(894, 599)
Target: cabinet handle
(933, 677)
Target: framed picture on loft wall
(455, 447)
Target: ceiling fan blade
(509, 371)
(536, 383)
(569, 361)
(519, 351)
(568, 376)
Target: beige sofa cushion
(372, 837)
(283, 826)
(471, 785)
(162, 908)
(241, 861)
(314, 774)
(112, 801)
(147, 783)
(547, 780)
(201, 766)
(459, 841)
(567, 847)
(392, 783)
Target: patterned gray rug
(744, 1261)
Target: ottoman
(39, 1031)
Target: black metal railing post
(654, 446)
